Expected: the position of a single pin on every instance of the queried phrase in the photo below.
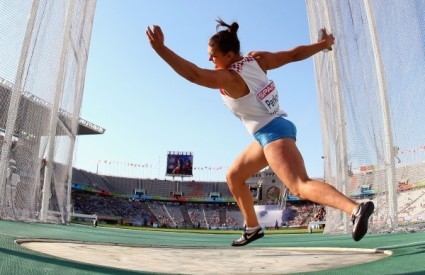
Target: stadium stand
(195, 189)
(79, 177)
(159, 187)
(412, 209)
(112, 199)
(120, 184)
(224, 190)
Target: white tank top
(261, 105)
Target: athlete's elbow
(296, 56)
(193, 77)
(299, 53)
(186, 74)
(197, 76)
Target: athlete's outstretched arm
(273, 60)
(204, 77)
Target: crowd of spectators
(131, 211)
(320, 214)
(168, 214)
(171, 214)
(411, 205)
(302, 212)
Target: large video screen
(179, 164)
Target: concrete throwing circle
(206, 260)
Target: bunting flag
(216, 168)
(130, 164)
(411, 151)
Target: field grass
(203, 231)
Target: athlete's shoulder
(258, 56)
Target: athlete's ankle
(251, 229)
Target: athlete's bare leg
(249, 162)
(287, 163)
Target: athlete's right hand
(155, 36)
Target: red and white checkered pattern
(237, 66)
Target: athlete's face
(220, 60)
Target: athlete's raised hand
(329, 38)
(155, 36)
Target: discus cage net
(43, 56)
(371, 93)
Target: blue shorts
(276, 129)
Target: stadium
(57, 218)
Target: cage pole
(46, 195)
(16, 95)
(388, 133)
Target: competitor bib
(268, 96)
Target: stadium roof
(36, 105)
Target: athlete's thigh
(286, 161)
(250, 161)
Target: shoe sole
(363, 222)
(258, 236)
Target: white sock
(355, 210)
(251, 229)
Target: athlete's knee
(231, 184)
(231, 178)
(295, 190)
(234, 179)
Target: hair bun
(234, 28)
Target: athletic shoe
(246, 237)
(360, 219)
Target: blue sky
(148, 110)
